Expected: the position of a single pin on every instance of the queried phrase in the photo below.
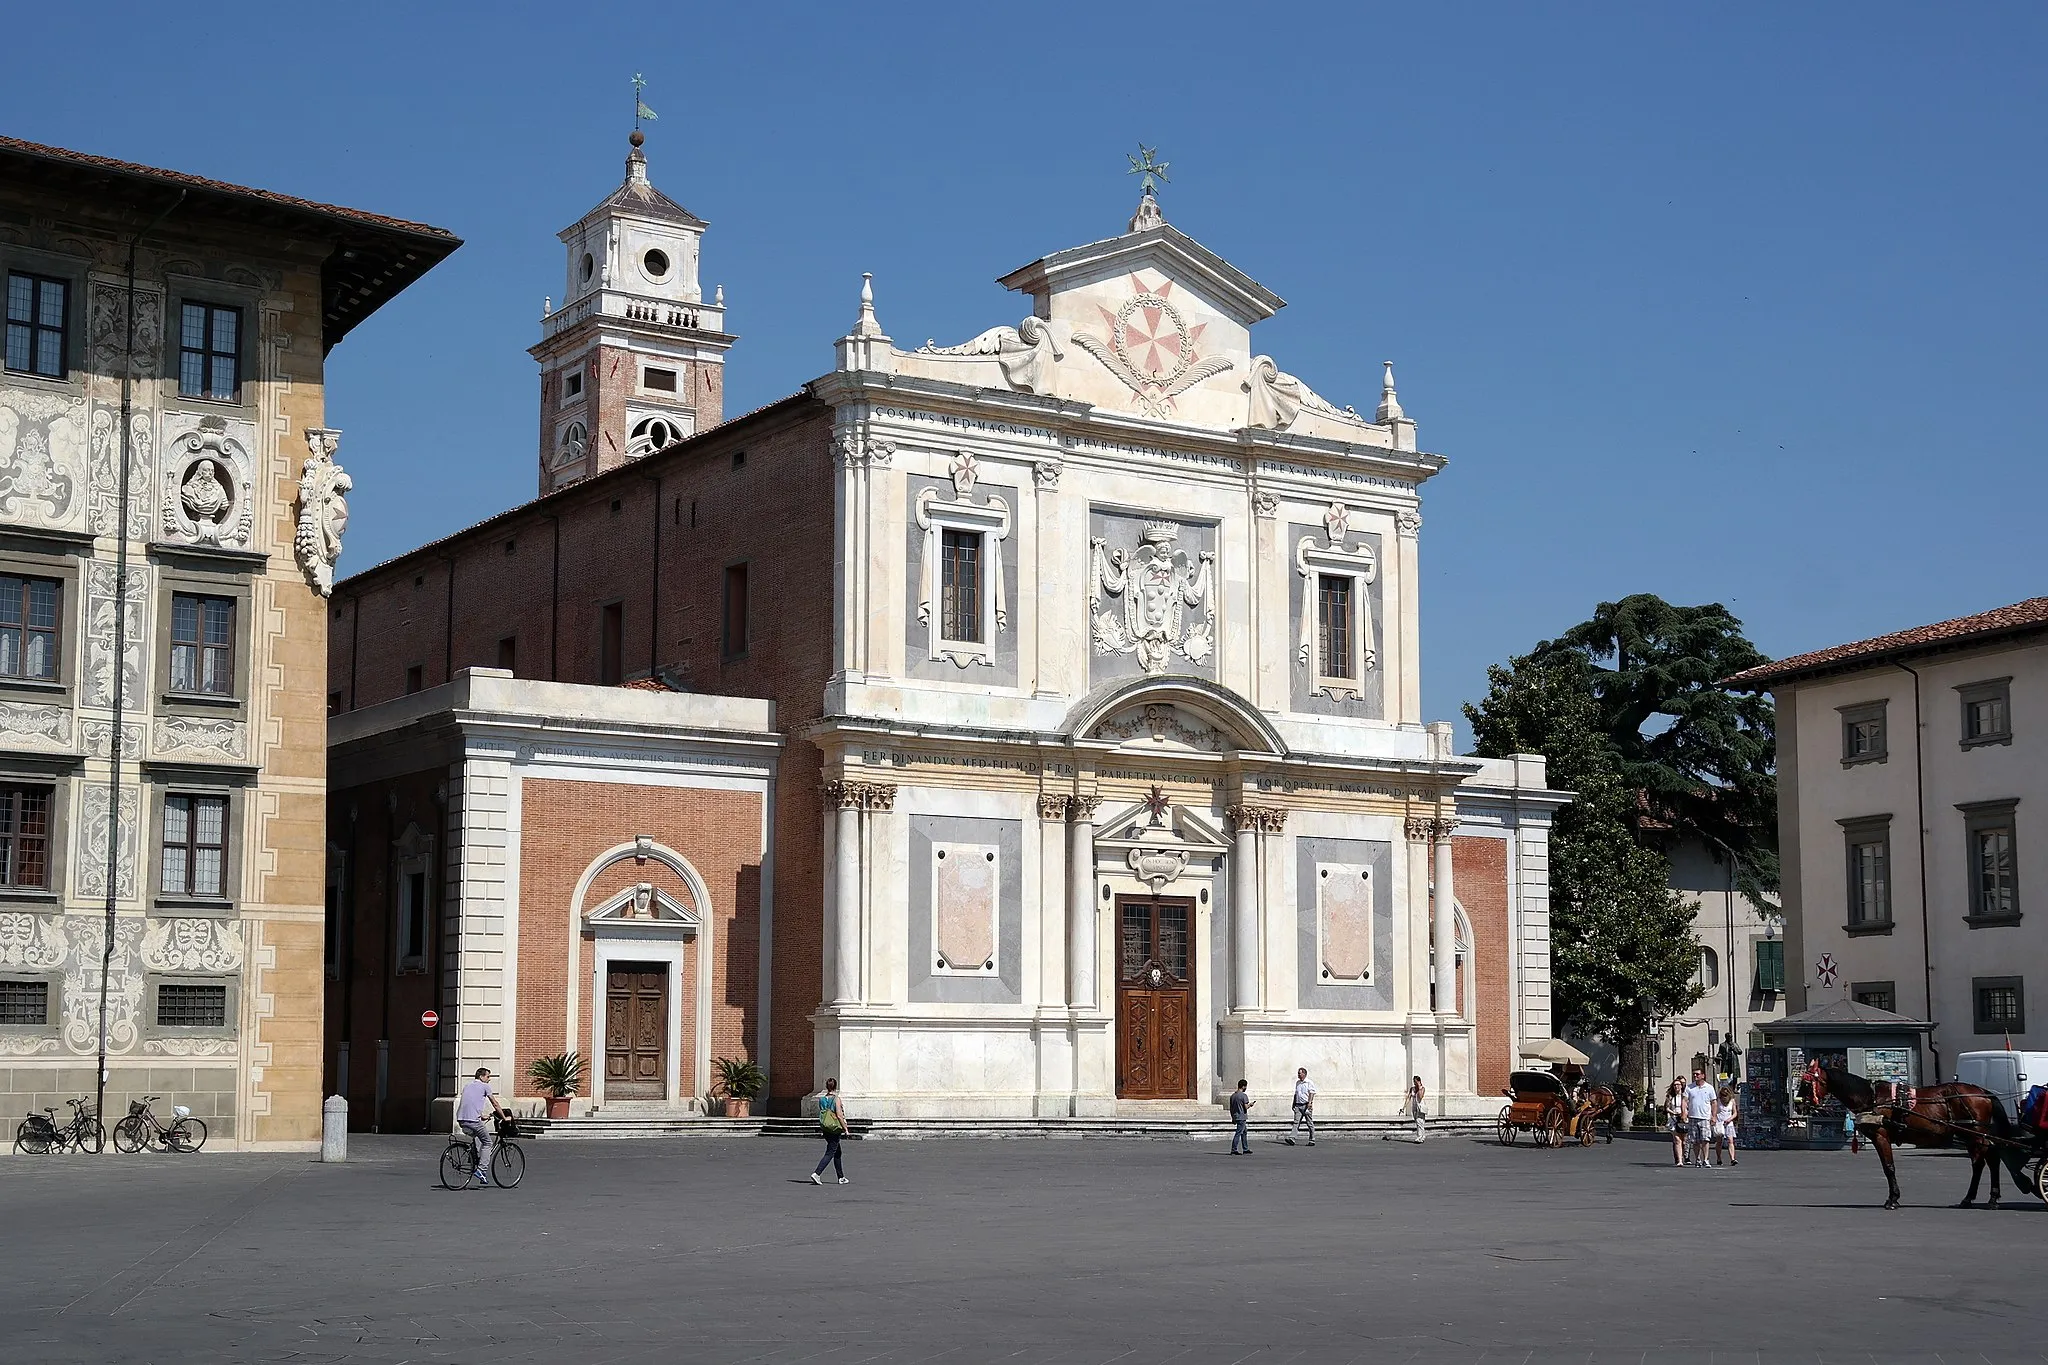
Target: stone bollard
(334, 1129)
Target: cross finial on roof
(1146, 165)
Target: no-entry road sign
(429, 1019)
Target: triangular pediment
(1163, 252)
(643, 906)
(1177, 827)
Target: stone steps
(1211, 1127)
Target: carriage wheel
(1507, 1126)
(1553, 1132)
(1586, 1127)
(2040, 1174)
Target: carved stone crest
(208, 486)
(323, 509)
(1160, 586)
(1152, 347)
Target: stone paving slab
(1067, 1253)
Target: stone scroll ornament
(1160, 587)
(323, 509)
(1027, 353)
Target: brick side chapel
(1029, 726)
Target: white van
(2007, 1075)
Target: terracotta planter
(558, 1106)
(736, 1108)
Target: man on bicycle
(477, 1101)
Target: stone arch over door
(1191, 714)
(642, 922)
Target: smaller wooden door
(636, 1031)
(1155, 999)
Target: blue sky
(1727, 303)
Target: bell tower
(633, 358)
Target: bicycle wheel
(131, 1134)
(33, 1140)
(186, 1135)
(88, 1136)
(458, 1163)
(508, 1165)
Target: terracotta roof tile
(188, 181)
(2021, 618)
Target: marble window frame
(73, 271)
(63, 568)
(167, 780)
(181, 289)
(179, 580)
(991, 522)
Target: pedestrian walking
(1724, 1125)
(1304, 1107)
(1699, 1116)
(1674, 1119)
(832, 1123)
(1241, 1103)
(1416, 1096)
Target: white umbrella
(1555, 1050)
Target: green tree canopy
(1622, 947)
(1700, 759)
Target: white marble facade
(1127, 673)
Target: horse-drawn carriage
(1541, 1105)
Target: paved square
(1014, 1251)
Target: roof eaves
(2016, 621)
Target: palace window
(25, 837)
(195, 846)
(1863, 733)
(611, 644)
(36, 312)
(734, 631)
(1878, 995)
(962, 603)
(656, 378)
(1710, 968)
(203, 644)
(1334, 643)
(1869, 847)
(960, 586)
(24, 1003)
(1987, 712)
(28, 627)
(1992, 865)
(1999, 1004)
(1770, 965)
(414, 862)
(191, 1004)
(210, 352)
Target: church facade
(1096, 773)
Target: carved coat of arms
(1160, 586)
(323, 510)
(1152, 347)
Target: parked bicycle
(141, 1129)
(40, 1133)
(508, 1162)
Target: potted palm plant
(741, 1081)
(557, 1078)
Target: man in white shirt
(1699, 1115)
(475, 1102)
(1304, 1107)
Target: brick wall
(1480, 873)
(564, 827)
(772, 509)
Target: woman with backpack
(832, 1123)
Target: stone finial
(636, 160)
(867, 326)
(718, 297)
(1148, 217)
(1390, 406)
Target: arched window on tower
(574, 443)
(651, 434)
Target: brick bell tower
(634, 358)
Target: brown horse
(1952, 1115)
(1596, 1103)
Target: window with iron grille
(203, 644)
(210, 352)
(960, 586)
(36, 312)
(195, 846)
(24, 1003)
(2001, 1004)
(25, 837)
(28, 627)
(191, 1004)
(1878, 995)
(1334, 625)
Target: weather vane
(1144, 164)
(640, 109)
